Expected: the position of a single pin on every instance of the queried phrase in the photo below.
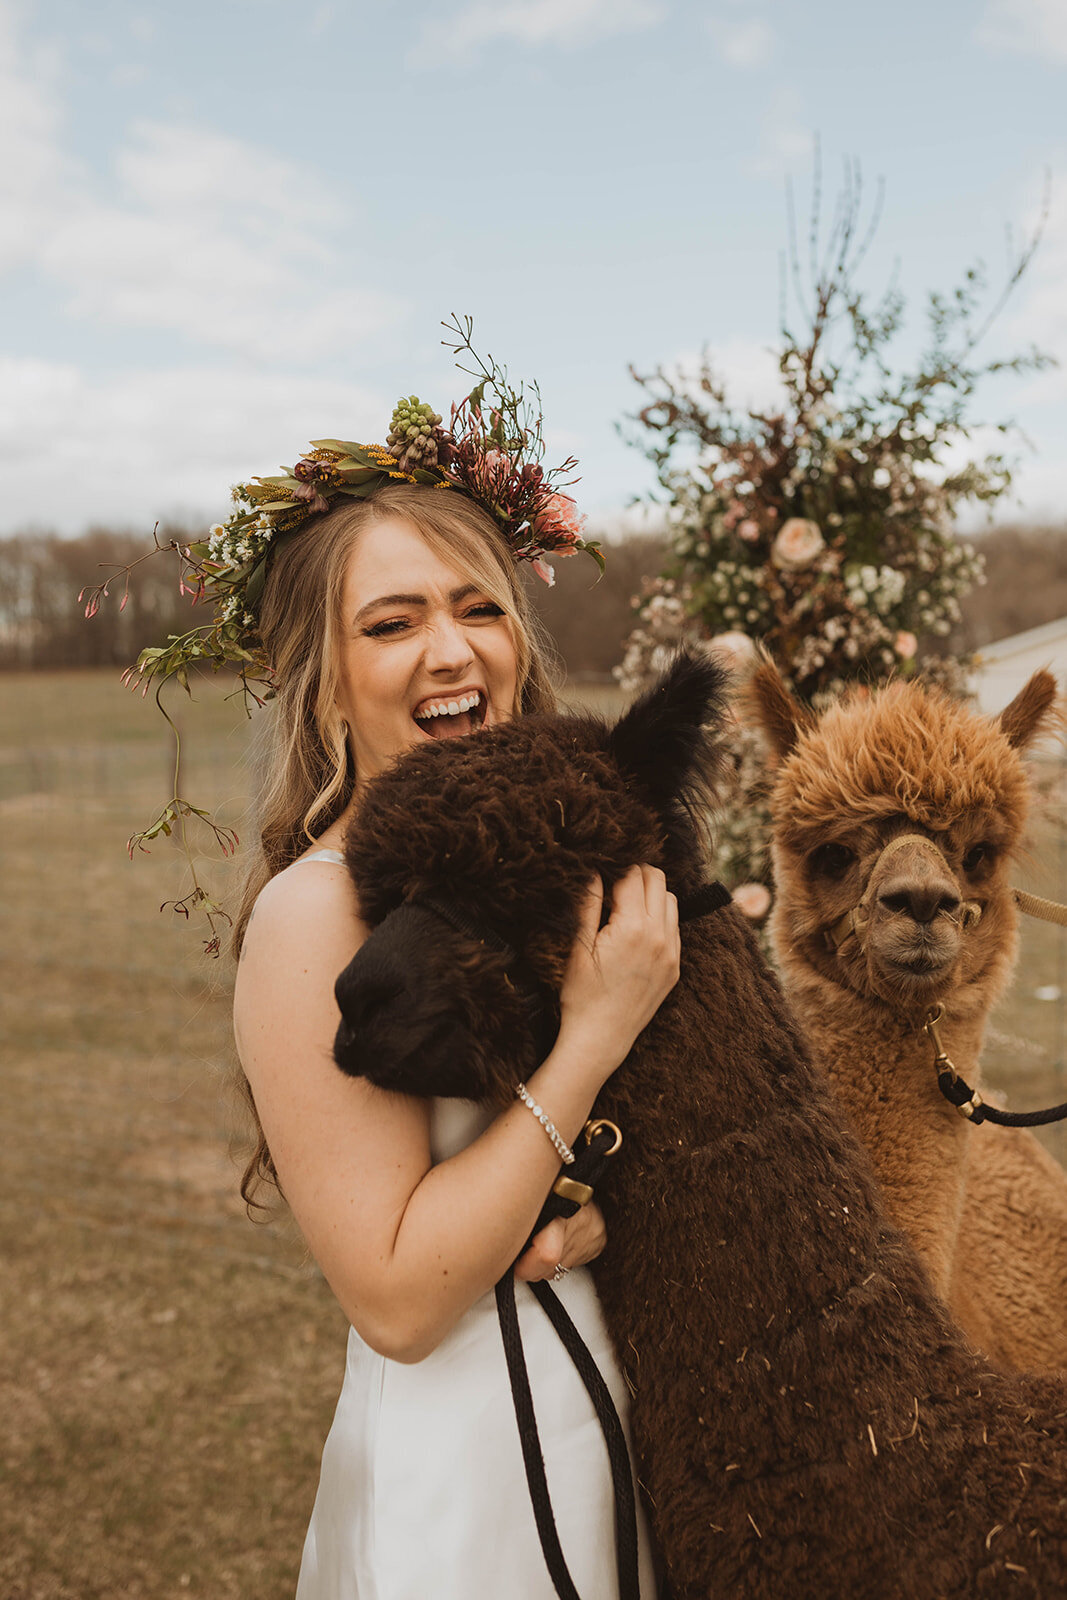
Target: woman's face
(426, 654)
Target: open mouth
(451, 716)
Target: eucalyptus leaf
(341, 447)
(254, 586)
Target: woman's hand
(619, 974)
(566, 1241)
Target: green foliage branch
(822, 528)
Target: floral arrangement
(492, 451)
(822, 528)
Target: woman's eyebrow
(455, 596)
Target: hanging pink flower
(905, 644)
(798, 542)
(544, 571)
(754, 899)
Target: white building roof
(1003, 667)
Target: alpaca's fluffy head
(875, 766)
(508, 827)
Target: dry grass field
(167, 1369)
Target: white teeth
(449, 708)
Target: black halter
(590, 1160)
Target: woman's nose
(449, 648)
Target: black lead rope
(610, 1426)
(533, 1460)
(586, 1170)
(958, 1092)
(601, 1140)
(968, 1102)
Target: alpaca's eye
(832, 860)
(979, 855)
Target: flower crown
(492, 452)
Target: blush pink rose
(798, 543)
(754, 899)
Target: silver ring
(560, 1272)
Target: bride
(379, 587)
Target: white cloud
(216, 240)
(33, 169)
(193, 233)
(743, 44)
(1030, 27)
(570, 23)
(140, 446)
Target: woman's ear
(775, 711)
(660, 740)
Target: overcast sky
(228, 228)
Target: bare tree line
(42, 625)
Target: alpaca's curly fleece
(986, 1207)
(808, 1420)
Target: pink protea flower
(753, 899)
(544, 571)
(559, 522)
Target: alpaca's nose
(921, 901)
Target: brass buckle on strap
(591, 1130)
(572, 1189)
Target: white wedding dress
(422, 1493)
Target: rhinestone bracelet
(563, 1149)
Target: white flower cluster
(663, 624)
(878, 589)
(236, 546)
(859, 637)
(736, 590)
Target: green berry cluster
(413, 433)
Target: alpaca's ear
(774, 709)
(1031, 712)
(659, 740)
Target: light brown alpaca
(985, 1206)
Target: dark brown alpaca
(807, 1418)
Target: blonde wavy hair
(307, 773)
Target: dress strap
(323, 855)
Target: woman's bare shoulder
(310, 905)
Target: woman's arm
(406, 1246)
